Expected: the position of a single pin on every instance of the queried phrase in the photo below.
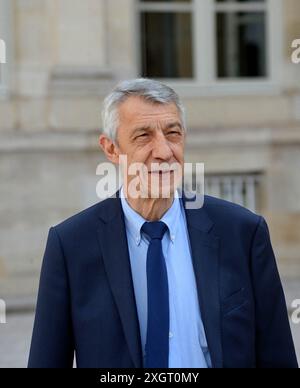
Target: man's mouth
(162, 172)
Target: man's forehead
(135, 109)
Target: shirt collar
(135, 221)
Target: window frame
(205, 81)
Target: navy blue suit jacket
(86, 301)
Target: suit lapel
(205, 253)
(113, 243)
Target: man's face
(152, 134)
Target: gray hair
(150, 90)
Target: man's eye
(174, 133)
(143, 135)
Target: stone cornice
(74, 140)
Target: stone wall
(64, 56)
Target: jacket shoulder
(219, 208)
(85, 219)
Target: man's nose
(161, 148)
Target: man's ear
(109, 148)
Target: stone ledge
(83, 140)
(243, 136)
(80, 81)
(21, 305)
(49, 141)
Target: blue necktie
(157, 342)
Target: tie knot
(155, 230)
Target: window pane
(241, 44)
(167, 45)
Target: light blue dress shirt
(188, 346)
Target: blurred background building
(231, 63)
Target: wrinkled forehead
(137, 111)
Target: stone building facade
(229, 60)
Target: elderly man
(141, 281)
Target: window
(166, 39)
(211, 43)
(242, 189)
(241, 38)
